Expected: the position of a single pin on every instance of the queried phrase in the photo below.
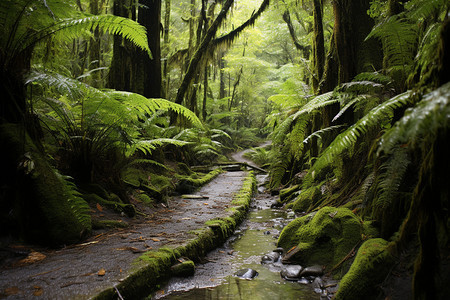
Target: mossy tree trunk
(120, 71)
(318, 44)
(166, 47)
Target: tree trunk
(166, 79)
(349, 54)
(318, 45)
(149, 15)
(198, 55)
(120, 71)
(205, 92)
(94, 49)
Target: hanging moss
(372, 264)
(324, 237)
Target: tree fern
(392, 175)
(399, 36)
(147, 146)
(376, 117)
(421, 122)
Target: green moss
(153, 267)
(197, 181)
(144, 198)
(324, 237)
(289, 193)
(183, 269)
(371, 266)
(117, 206)
(307, 198)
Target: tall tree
(149, 16)
(318, 44)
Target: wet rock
(270, 258)
(304, 280)
(325, 237)
(315, 271)
(246, 273)
(279, 250)
(276, 204)
(318, 285)
(292, 272)
(267, 232)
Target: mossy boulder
(45, 207)
(113, 203)
(371, 266)
(306, 199)
(324, 237)
(289, 193)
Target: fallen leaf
(155, 240)
(11, 291)
(101, 272)
(206, 203)
(99, 207)
(185, 218)
(33, 257)
(38, 291)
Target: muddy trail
(108, 258)
(216, 278)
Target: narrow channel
(215, 278)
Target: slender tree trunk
(222, 75)
(94, 49)
(166, 79)
(318, 45)
(205, 93)
(198, 55)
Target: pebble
(246, 273)
(270, 257)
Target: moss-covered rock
(324, 237)
(183, 269)
(306, 199)
(289, 193)
(371, 266)
(45, 206)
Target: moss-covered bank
(154, 267)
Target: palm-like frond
(316, 103)
(147, 146)
(399, 36)
(421, 122)
(348, 138)
(318, 134)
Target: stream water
(255, 237)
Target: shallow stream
(255, 237)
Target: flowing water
(257, 235)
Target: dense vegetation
(115, 101)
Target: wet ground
(81, 271)
(214, 279)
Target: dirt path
(84, 270)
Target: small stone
(292, 272)
(279, 250)
(303, 280)
(315, 271)
(318, 284)
(267, 232)
(246, 273)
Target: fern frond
(421, 122)
(318, 134)
(393, 172)
(316, 103)
(349, 137)
(70, 29)
(147, 146)
(149, 106)
(399, 37)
